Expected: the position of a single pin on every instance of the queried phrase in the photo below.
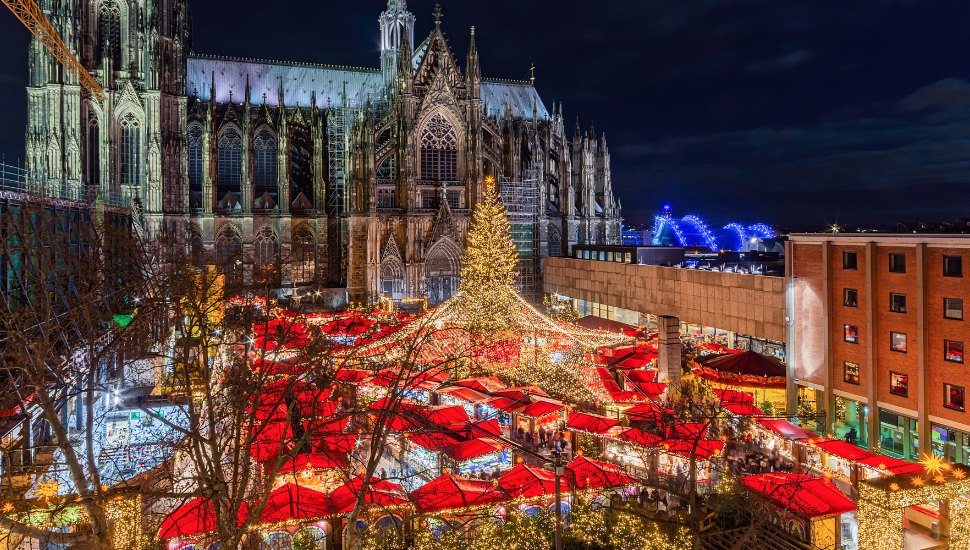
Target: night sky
(785, 112)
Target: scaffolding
(521, 201)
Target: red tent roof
(638, 437)
(351, 376)
(295, 502)
(529, 481)
(734, 396)
(379, 493)
(701, 449)
(450, 491)
(598, 323)
(194, 517)
(593, 474)
(590, 422)
(541, 408)
(483, 384)
(810, 496)
(314, 461)
(638, 376)
(688, 430)
(506, 404)
(627, 397)
(747, 367)
(786, 429)
(647, 411)
(433, 441)
(842, 449)
(637, 361)
(447, 415)
(890, 464)
(475, 448)
(743, 409)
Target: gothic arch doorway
(392, 278)
(442, 268)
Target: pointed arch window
(230, 161)
(303, 255)
(266, 245)
(93, 151)
(439, 150)
(195, 158)
(229, 252)
(264, 162)
(109, 23)
(130, 150)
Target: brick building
(876, 336)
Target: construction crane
(31, 15)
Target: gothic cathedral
(349, 177)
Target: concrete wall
(749, 304)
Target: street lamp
(558, 465)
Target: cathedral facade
(344, 176)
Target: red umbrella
(593, 474)
(193, 518)
(291, 502)
(528, 481)
(450, 491)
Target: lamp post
(557, 464)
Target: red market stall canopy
(541, 408)
(591, 423)
(593, 322)
(450, 491)
(637, 360)
(313, 461)
(743, 409)
(379, 493)
(842, 449)
(703, 449)
(485, 384)
(628, 397)
(786, 429)
(351, 376)
(607, 379)
(890, 464)
(593, 474)
(688, 430)
(291, 502)
(475, 448)
(507, 405)
(434, 441)
(809, 496)
(193, 518)
(745, 368)
(529, 481)
(650, 412)
(638, 437)
(734, 396)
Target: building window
(953, 308)
(303, 255)
(850, 297)
(110, 26)
(627, 258)
(439, 150)
(852, 334)
(454, 199)
(850, 260)
(93, 164)
(897, 341)
(230, 161)
(954, 397)
(195, 158)
(429, 198)
(897, 263)
(130, 151)
(953, 351)
(851, 372)
(952, 266)
(897, 303)
(899, 384)
(264, 162)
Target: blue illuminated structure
(691, 230)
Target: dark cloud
(781, 63)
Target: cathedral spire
(397, 36)
(473, 73)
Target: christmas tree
(490, 257)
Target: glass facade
(851, 418)
(898, 435)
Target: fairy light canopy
(493, 329)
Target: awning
(295, 502)
(529, 481)
(593, 474)
(541, 408)
(475, 448)
(703, 449)
(890, 464)
(743, 409)
(650, 412)
(627, 397)
(842, 449)
(590, 422)
(809, 496)
(313, 461)
(734, 396)
(506, 404)
(351, 376)
(449, 492)
(786, 429)
(598, 323)
(193, 518)
(433, 441)
(447, 415)
(379, 493)
(638, 437)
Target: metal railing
(19, 180)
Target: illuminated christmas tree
(490, 257)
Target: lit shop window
(953, 351)
(852, 373)
(897, 341)
(954, 397)
(899, 384)
(852, 334)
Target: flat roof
(961, 239)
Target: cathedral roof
(301, 80)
